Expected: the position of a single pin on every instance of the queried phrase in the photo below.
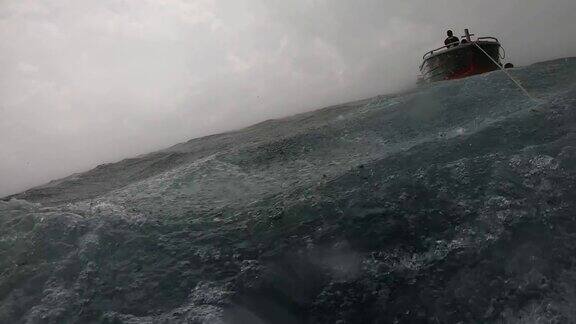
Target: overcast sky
(83, 82)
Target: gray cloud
(85, 82)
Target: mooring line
(509, 75)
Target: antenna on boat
(468, 35)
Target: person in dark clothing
(452, 40)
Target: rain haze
(90, 82)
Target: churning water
(450, 203)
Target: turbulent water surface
(451, 203)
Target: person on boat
(452, 40)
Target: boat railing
(424, 62)
(435, 50)
(430, 53)
(489, 37)
(434, 69)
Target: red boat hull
(461, 61)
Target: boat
(466, 58)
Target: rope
(509, 75)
